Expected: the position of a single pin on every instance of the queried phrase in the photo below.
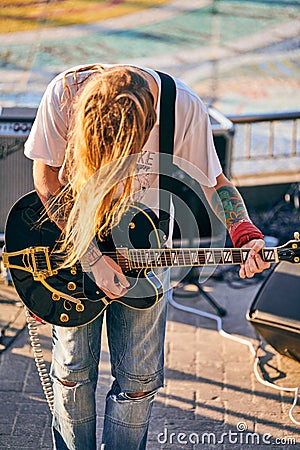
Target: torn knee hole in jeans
(67, 383)
(133, 396)
(136, 394)
(70, 383)
(71, 387)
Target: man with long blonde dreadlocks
(94, 127)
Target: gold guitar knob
(73, 270)
(79, 307)
(64, 317)
(297, 236)
(132, 225)
(71, 286)
(55, 297)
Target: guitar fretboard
(154, 258)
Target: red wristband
(243, 232)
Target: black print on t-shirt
(145, 161)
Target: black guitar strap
(166, 148)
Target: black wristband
(95, 260)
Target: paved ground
(211, 398)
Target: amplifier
(15, 168)
(275, 311)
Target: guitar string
(182, 253)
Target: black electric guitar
(69, 297)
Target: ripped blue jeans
(136, 345)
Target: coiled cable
(40, 360)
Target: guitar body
(28, 227)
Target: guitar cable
(251, 347)
(40, 360)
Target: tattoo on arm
(55, 208)
(228, 205)
(91, 256)
(92, 252)
(58, 206)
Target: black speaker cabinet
(15, 168)
(275, 311)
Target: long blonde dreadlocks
(112, 116)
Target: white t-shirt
(193, 141)
(194, 150)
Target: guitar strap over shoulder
(166, 148)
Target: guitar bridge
(35, 260)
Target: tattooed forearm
(55, 209)
(229, 206)
(91, 256)
(58, 206)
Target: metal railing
(266, 141)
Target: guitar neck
(154, 258)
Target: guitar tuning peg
(297, 236)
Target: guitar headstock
(291, 250)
